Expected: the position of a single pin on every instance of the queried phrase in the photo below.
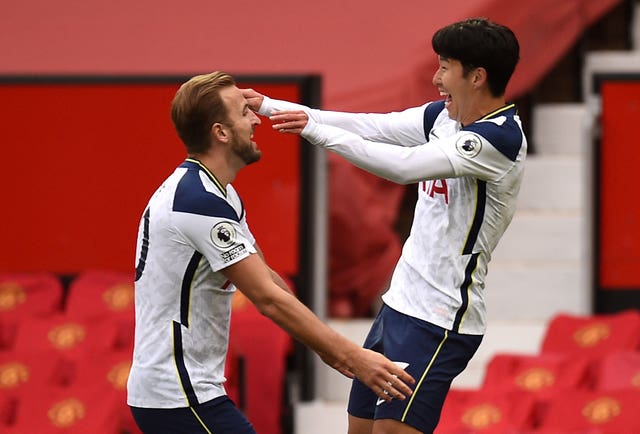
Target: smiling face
(240, 122)
(457, 88)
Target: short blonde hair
(197, 106)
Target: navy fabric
(218, 416)
(435, 356)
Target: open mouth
(447, 98)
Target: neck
(223, 172)
(483, 109)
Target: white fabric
(429, 278)
(163, 289)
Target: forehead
(232, 97)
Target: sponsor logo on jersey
(223, 235)
(233, 253)
(469, 145)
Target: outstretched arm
(405, 128)
(398, 164)
(385, 378)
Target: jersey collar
(209, 174)
(499, 111)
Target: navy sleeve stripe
(431, 112)
(192, 198)
(506, 138)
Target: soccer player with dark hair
(466, 153)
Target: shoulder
(504, 133)
(431, 112)
(195, 194)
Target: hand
(254, 99)
(385, 378)
(289, 121)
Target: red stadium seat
(65, 410)
(594, 335)
(619, 370)
(104, 296)
(486, 412)
(541, 375)
(107, 370)
(262, 348)
(59, 335)
(21, 371)
(24, 295)
(614, 412)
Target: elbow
(265, 305)
(401, 178)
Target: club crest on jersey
(223, 235)
(469, 145)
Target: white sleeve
(222, 241)
(463, 154)
(471, 154)
(405, 128)
(398, 164)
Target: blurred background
(85, 89)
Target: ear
(219, 132)
(479, 76)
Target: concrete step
(543, 237)
(320, 417)
(553, 183)
(560, 129)
(535, 293)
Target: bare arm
(254, 279)
(277, 279)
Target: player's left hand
(387, 379)
(289, 121)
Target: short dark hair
(478, 42)
(197, 106)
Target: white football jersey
(191, 229)
(468, 181)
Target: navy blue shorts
(218, 416)
(435, 356)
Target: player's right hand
(254, 99)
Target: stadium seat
(614, 412)
(262, 348)
(539, 374)
(21, 371)
(98, 295)
(107, 370)
(620, 370)
(594, 335)
(24, 295)
(60, 336)
(64, 410)
(486, 412)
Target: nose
(436, 77)
(255, 119)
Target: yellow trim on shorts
(426, 371)
(193, 410)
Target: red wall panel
(619, 207)
(80, 160)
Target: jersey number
(144, 249)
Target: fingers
(392, 390)
(394, 382)
(289, 121)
